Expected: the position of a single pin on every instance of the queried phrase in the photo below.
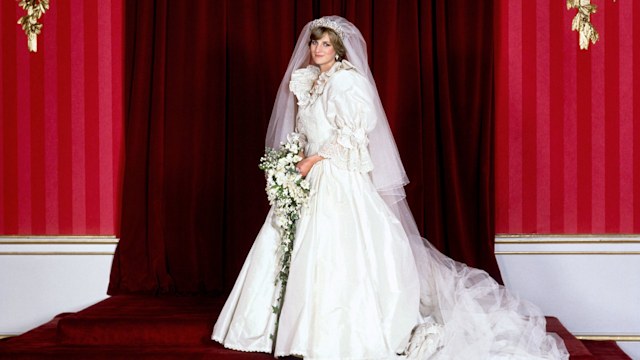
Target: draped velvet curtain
(200, 81)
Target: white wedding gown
(354, 291)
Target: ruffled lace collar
(308, 83)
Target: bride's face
(322, 52)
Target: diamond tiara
(324, 22)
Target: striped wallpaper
(567, 120)
(61, 120)
(560, 167)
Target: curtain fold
(200, 81)
(461, 122)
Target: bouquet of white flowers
(287, 191)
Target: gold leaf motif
(582, 22)
(29, 22)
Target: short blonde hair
(336, 41)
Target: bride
(363, 283)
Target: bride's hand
(305, 165)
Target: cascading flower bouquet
(287, 192)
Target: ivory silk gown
(353, 291)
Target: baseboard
(588, 281)
(46, 275)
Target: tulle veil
(465, 314)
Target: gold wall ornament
(29, 22)
(582, 21)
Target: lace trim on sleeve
(348, 150)
(349, 109)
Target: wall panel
(567, 128)
(61, 120)
(45, 276)
(567, 162)
(589, 282)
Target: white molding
(605, 337)
(58, 239)
(528, 244)
(56, 249)
(567, 239)
(44, 276)
(567, 252)
(589, 282)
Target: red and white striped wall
(61, 112)
(567, 145)
(567, 120)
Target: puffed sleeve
(349, 110)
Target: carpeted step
(601, 350)
(576, 348)
(135, 331)
(142, 320)
(41, 344)
(146, 327)
(605, 350)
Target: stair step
(147, 327)
(576, 348)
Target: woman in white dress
(363, 284)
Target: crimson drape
(200, 80)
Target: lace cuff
(348, 150)
(302, 139)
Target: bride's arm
(349, 111)
(305, 165)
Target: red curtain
(201, 78)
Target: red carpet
(144, 327)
